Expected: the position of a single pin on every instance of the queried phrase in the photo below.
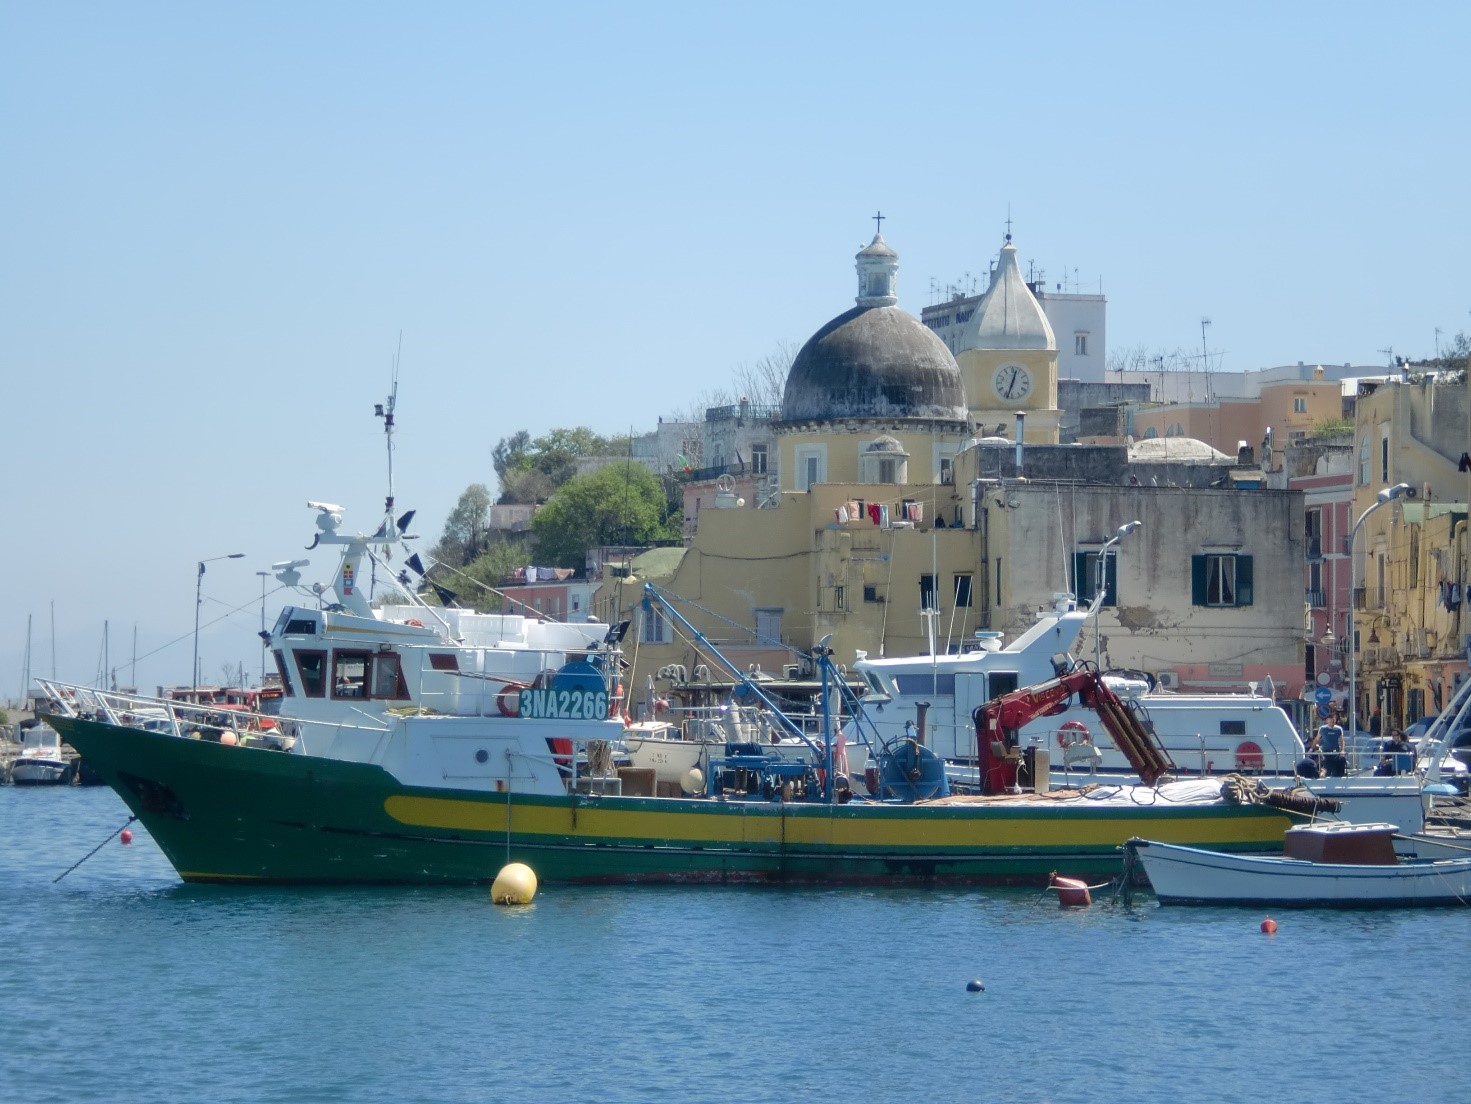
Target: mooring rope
(92, 852)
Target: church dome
(874, 361)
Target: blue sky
(220, 218)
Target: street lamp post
(1102, 570)
(1386, 496)
(198, 600)
(264, 575)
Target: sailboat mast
(25, 686)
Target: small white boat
(1340, 865)
(40, 762)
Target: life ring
(508, 701)
(1072, 734)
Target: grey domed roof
(884, 444)
(874, 362)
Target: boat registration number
(564, 705)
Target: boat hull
(40, 772)
(1191, 876)
(238, 814)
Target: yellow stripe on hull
(859, 827)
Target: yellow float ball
(514, 885)
(693, 781)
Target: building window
(1080, 344)
(1364, 461)
(1313, 531)
(962, 591)
(758, 459)
(947, 470)
(1220, 580)
(810, 465)
(870, 592)
(1085, 576)
(1384, 460)
(768, 626)
(926, 592)
(654, 626)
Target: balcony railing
(1315, 599)
(753, 411)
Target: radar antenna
(385, 411)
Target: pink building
(1327, 521)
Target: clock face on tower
(1012, 382)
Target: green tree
(464, 533)
(621, 504)
(531, 470)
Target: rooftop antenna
(1205, 363)
(1388, 352)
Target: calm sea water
(121, 984)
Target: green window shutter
(1243, 580)
(1111, 580)
(1082, 577)
(1197, 580)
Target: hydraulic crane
(998, 722)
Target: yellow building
(1410, 558)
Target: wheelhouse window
(280, 659)
(350, 674)
(311, 668)
(919, 683)
(386, 678)
(1221, 580)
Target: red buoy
(1269, 926)
(1071, 892)
(127, 835)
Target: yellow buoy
(514, 885)
(693, 781)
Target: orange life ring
(1082, 735)
(508, 701)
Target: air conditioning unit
(1168, 680)
(1412, 492)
